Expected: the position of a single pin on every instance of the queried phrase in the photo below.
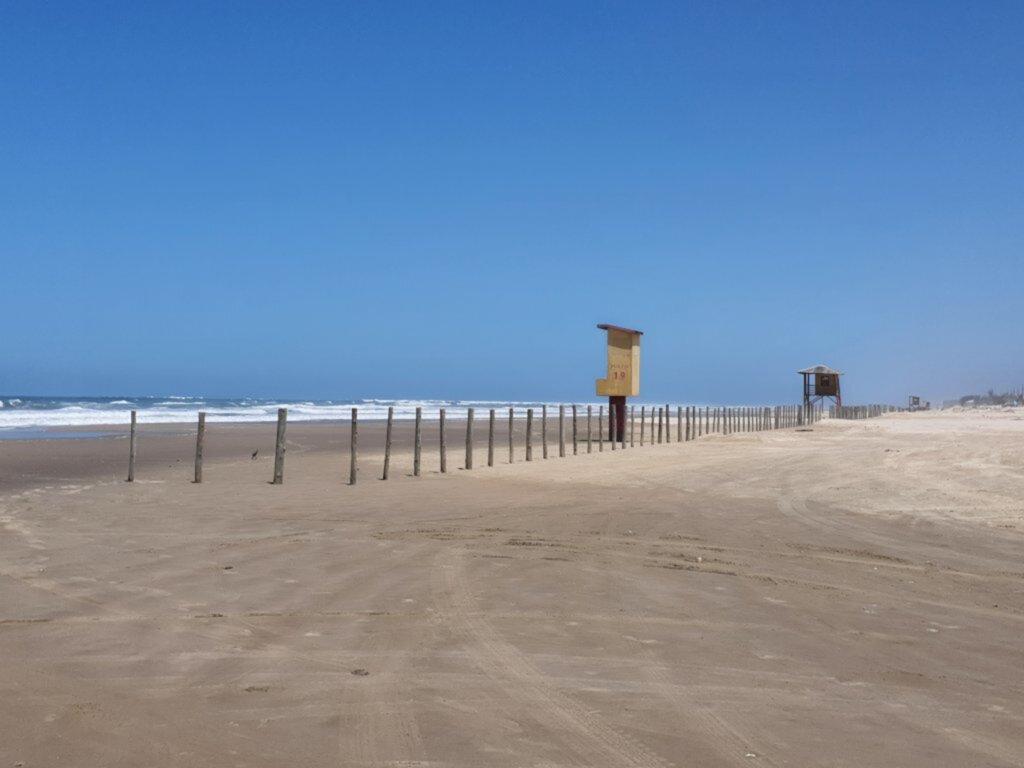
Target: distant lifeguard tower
(821, 383)
(623, 372)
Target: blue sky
(442, 199)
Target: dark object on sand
(360, 672)
(255, 452)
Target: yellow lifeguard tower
(623, 378)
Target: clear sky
(433, 199)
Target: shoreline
(38, 462)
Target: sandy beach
(847, 595)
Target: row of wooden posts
(691, 423)
(861, 411)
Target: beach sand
(851, 595)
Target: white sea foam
(118, 412)
(178, 410)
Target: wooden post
(417, 443)
(632, 425)
(444, 447)
(200, 434)
(575, 433)
(652, 424)
(688, 438)
(529, 434)
(600, 428)
(544, 431)
(469, 438)
(131, 450)
(643, 423)
(387, 444)
(613, 425)
(352, 447)
(490, 440)
(590, 430)
(668, 424)
(561, 431)
(707, 421)
(511, 436)
(679, 424)
(282, 421)
(659, 426)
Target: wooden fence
(862, 411)
(643, 426)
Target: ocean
(22, 414)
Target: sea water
(47, 415)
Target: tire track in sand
(584, 734)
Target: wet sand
(847, 596)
